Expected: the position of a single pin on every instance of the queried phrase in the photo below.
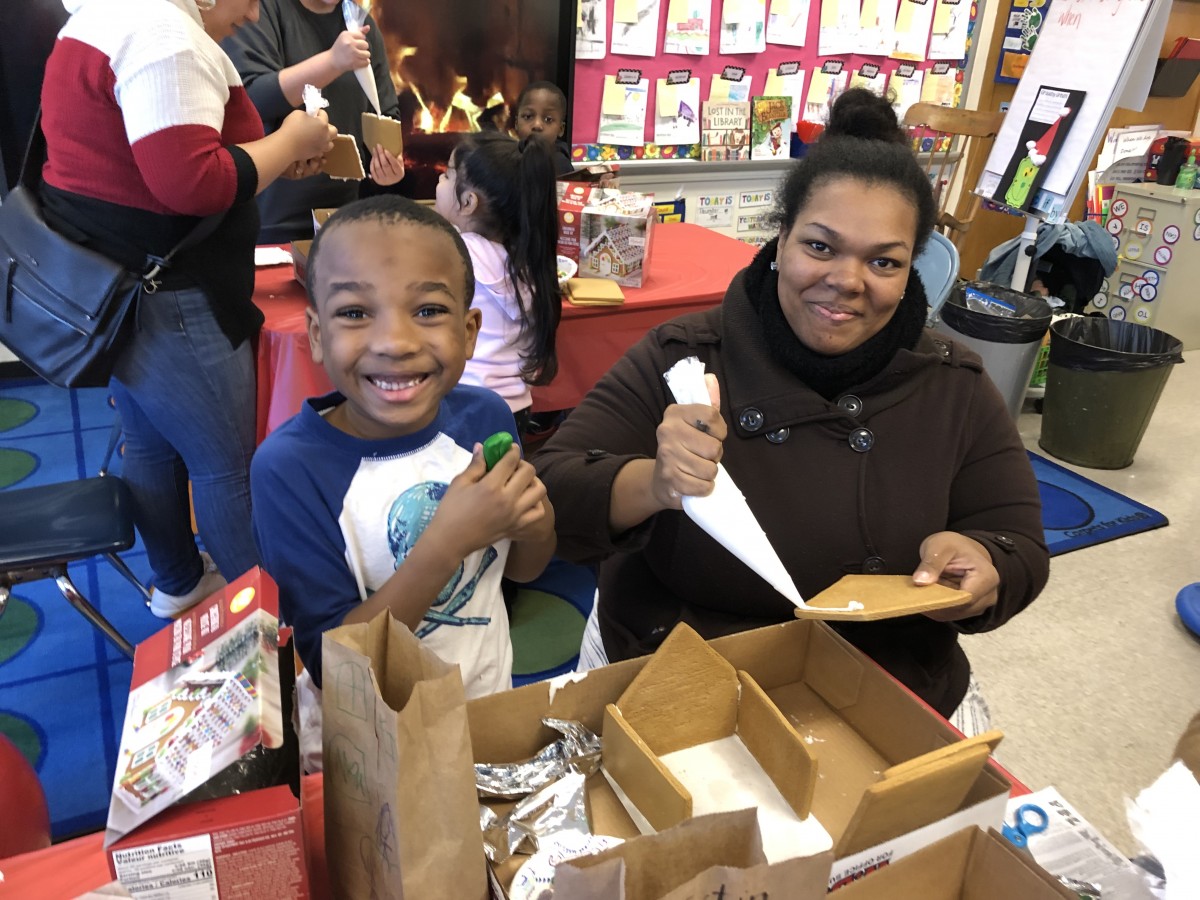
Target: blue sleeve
(301, 546)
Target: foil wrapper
(552, 784)
(578, 750)
(1085, 889)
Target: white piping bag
(724, 514)
(356, 17)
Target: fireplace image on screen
(459, 66)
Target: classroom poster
(623, 112)
(591, 29)
(788, 22)
(714, 210)
(743, 26)
(1042, 136)
(688, 25)
(1021, 30)
(635, 27)
(1099, 50)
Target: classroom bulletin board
(917, 66)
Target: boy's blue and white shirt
(335, 515)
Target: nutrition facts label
(172, 870)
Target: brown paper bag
(401, 814)
(708, 856)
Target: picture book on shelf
(726, 131)
(770, 127)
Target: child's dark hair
(863, 141)
(529, 89)
(389, 209)
(519, 209)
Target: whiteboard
(1102, 50)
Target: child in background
(377, 496)
(499, 193)
(541, 112)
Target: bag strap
(36, 153)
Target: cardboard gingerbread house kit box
(615, 237)
(969, 865)
(848, 758)
(205, 719)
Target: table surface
(690, 268)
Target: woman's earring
(774, 266)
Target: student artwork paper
(823, 89)
(876, 85)
(906, 91)
(877, 27)
(677, 112)
(743, 26)
(623, 112)
(839, 27)
(591, 29)
(688, 27)
(788, 22)
(913, 23)
(790, 86)
(722, 90)
(635, 27)
(939, 89)
(950, 21)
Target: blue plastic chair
(938, 268)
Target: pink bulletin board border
(588, 85)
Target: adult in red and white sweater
(148, 129)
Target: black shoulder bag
(68, 310)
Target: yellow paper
(678, 11)
(625, 11)
(869, 18)
(774, 86)
(904, 18)
(732, 12)
(668, 99)
(718, 91)
(613, 103)
(941, 17)
(829, 13)
(781, 7)
(578, 13)
(818, 87)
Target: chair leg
(90, 613)
(120, 566)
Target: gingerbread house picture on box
(617, 253)
(615, 235)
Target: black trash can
(1005, 327)
(1102, 384)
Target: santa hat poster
(1046, 128)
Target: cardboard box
(205, 718)
(970, 864)
(243, 847)
(615, 237)
(856, 722)
(572, 198)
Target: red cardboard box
(205, 695)
(573, 196)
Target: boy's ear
(314, 334)
(473, 321)
(562, 128)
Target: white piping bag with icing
(356, 17)
(724, 514)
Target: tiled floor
(1093, 684)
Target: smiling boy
(377, 496)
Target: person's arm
(295, 149)
(480, 508)
(532, 547)
(995, 521)
(349, 51)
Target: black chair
(43, 529)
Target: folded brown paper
(401, 815)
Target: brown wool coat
(943, 455)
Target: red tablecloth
(690, 268)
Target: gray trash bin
(1008, 344)
(1102, 384)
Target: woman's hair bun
(860, 113)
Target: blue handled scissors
(1031, 819)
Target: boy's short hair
(389, 209)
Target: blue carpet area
(63, 687)
(1077, 512)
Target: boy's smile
(391, 324)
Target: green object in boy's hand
(495, 447)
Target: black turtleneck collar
(831, 375)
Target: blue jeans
(186, 400)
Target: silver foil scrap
(578, 750)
